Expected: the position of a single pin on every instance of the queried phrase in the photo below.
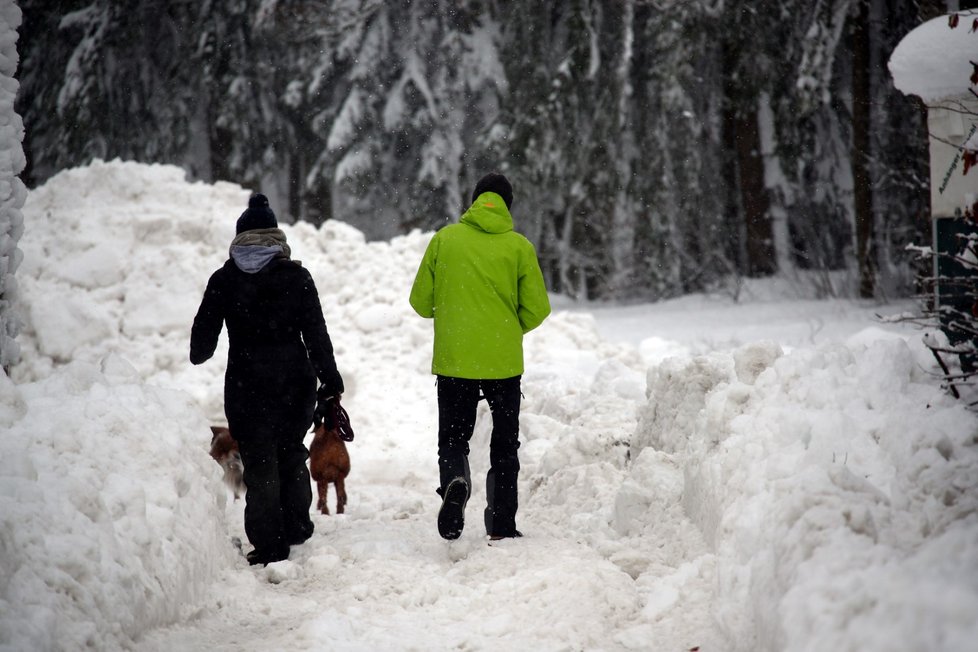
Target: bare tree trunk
(565, 249)
(761, 260)
(862, 191)
(742, 133)
(623, 210)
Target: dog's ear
(220, 433)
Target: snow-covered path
(387, 582)
(603, 565)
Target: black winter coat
(278, 346)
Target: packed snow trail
(599, 568)
(385, 581)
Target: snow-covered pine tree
(243, 62)
(899, 160)
(817, 114)
(106, 79)
(685, 241)
(812, 122)
(570, 120)
(314, 70)
(12, 190)
(414, 91)
(608, 116)
(40, 85)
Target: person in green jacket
(482, 284)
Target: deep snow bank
(839, 488)
(111, 516)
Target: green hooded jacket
(481, 282)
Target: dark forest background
(657, 147)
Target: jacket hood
(488, 213)
(253, 258)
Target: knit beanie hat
(497, 183)
(257, 216)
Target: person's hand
(324, 410)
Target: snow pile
(838, 487)
(118, 256)
(12, 191)
(111, 516)
(933, 61)
(114, 256)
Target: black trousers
(279, 492)
(458, 399)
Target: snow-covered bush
(935, 62)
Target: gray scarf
(254, 249)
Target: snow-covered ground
(766, 475)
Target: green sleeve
(423, 291)
(534, 304)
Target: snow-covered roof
(933, 61)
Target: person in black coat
(278, 346)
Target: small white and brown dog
(225, 452)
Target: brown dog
(329, 462)
(225, 452)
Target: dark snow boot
(451, 516)
(266, 557)
(301, 536)
(498, 537)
